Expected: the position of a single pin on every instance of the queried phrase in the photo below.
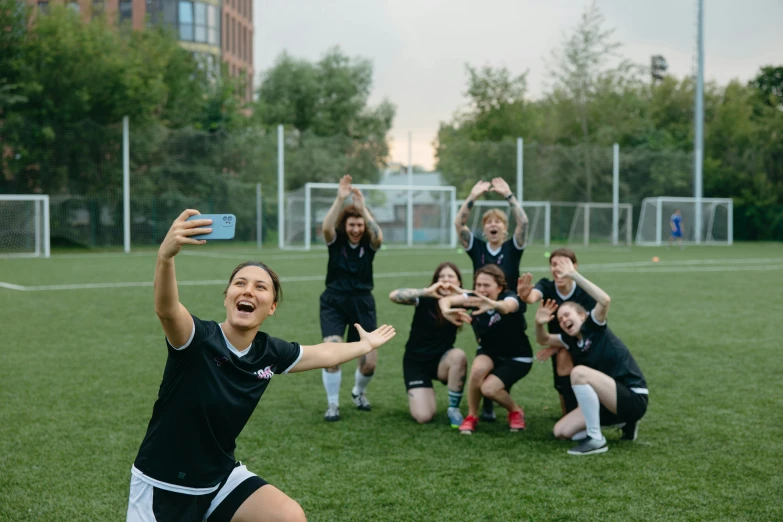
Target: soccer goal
(538, 214)
(717, 217)
(408, 216)
(593, 223)
(24, 226)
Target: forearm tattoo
(375, 230)
(464, 237)
(464, 212)
(406, 295)
(520, 234)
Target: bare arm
(500, 186)
(174, 317)
(525, 289)
(461, 222)
(602, 301)
(408, 296)
(544, 314)
(503, 307)
(327, 355)
(330, 220)
(376, 235)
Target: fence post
(259, 217)
(126, 235)
(409, 208)
(520, 159)
(280, 189)
(615, 194)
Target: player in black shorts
(559, 290)
(430, 353)
(214, 377)
(497, 249)
(607, 382)
(504, 354)
(353, 237)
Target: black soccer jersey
(549, 290)
(429, 338)
(600, 349)
(208, 392)
(349, 268)
(507, 258)
(503, 335)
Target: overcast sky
(419, 47)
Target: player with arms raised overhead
(214, 377)
(353, 237)
(497, 249)
(607, 382)
(430, 353)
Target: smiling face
(495, 226)
(570, 318)
(487, 286)
(448, 275)
(562, 282)
(354, 229)
(250, 298)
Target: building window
(43, 7)
(186, 21)
(213, 29)
(73, 6)
(200, 11)
(126, 11)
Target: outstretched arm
(526, 291)
(500, 186)
(565, 268)
(330, 220)
(376, 235)
(408, 296)
(174, 317)
(461, 222)
(503, 307)
(327, 355)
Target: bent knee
(422, 417)
(579, 374)
(490, 389)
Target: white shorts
(151, 501)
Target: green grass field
(80, 367)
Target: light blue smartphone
(223, 226)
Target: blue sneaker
(455, 417)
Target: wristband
(509, 197)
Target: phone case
(223, 226)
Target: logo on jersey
(494, 318)
(361, 252)
(220, 360)
(266, 373)
(584, 344)
(500, 259)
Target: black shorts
(631, 407)
(508, 370)
(420, 373)
(339, 310)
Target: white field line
(684, 266)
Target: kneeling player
(607, 382)
(429, 353)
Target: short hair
(563, 252)
(350, 211)
(493, 212)
(275, 279)
(494, 272)
(576, 306)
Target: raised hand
(479, 189)
(546, 312)
(434, 289)
(483, 304)
(181, 231)
(457, 316)
(344, 190)
(377, 337)
(500, 186)
(564, 267)
(454, 289)
(358, 198)
(524, 285)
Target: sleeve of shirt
(544, 287)
(336, 241)
(592, 325)
(511, 296)
(287, 354)
(199, 333)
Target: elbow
(393, 296)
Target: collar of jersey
(566, 297)
(231, 346)
(496, 252)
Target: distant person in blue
(676, 223)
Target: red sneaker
(468, 426)
(516, 420)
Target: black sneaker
(630, 430)
(361, 402)
(590, 447)
(488, 411)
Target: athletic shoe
(455, 417)
(516, 420)
(488, 411)
(361, 402)
(332, 413)
(589, 447)
(468, 426)
(630, 430)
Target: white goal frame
(504, 206)
(662, 221)
(410, 189)
(42, 224)
(582, 210)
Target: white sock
(361, 382)
(332, 382)
(591, 409)
(580, 435)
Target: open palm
(378, 337)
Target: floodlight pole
(126, 233)
(698, 145)
(520, 158)
(280, 189)
(409, 212)
(615, 194)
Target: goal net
(25, 225)
(417, 216)
(593, 223)
(538, 214)
(716, 220)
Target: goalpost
(408, 215)
(538, 212)
(590, 223)
(717, 223)
(24, 231)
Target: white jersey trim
(640, 391)
(172, 487)
(596, 321)
(236, 352)
(522, 359)
(570, 294)
(190, 340)
(539, 293)
(496, 252)
(301, 351)
(470, 245)
(330, 243)
(516, 245)
(560, 338)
